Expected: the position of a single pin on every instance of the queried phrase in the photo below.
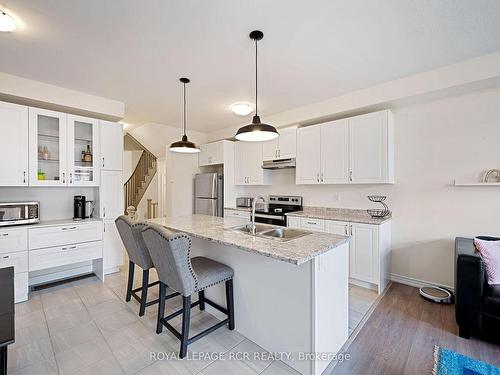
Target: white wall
(180, 168)
(435, 143)
(55, 202)
(130, 160)
(40, 94)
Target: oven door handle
(270, 216)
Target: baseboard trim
(411, 281)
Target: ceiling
(135, 51)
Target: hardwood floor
(400, 335)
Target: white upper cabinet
(111, 145)
(335, 152)
(47, 148)
(83, 151)
(211, 153)
(14, 144)
(358, 150)
(248, 164)
(308, 155)
(284, 147)
(371, 148)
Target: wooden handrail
(133, 185)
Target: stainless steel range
(278, 206)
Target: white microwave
(17, 213)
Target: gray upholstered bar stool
(170, 254)
(130, 233)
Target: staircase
(138, 183)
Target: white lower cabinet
(20, 287)
(14, 253)
(369, 249)
(41, 247)
(113, 248)
(61, 255)
(64, 234)
(364, 253)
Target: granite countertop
(52, 223)
(213, 228)
(339, 214)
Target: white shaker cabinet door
(270, 150)
(369, 148)
(47, 148)
(335, 152)
(111, 199)
(364, 259)
(111, 141)
(14, 144)
(308, 155)
(113, 250)
(287, 147)
(240, 163)
(254, 163)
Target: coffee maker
(79, 207)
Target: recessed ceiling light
(242, 108)
(7, 23)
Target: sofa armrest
(469, 284)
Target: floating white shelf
(458, 183)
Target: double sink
(270, 232)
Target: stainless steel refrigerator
(209, 194)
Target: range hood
(279, 164)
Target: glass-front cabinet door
(83, 158)
(47, 143)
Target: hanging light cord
(184, 108)
(256, 79)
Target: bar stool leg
(130, 283)
(201, 298)
(144, 291)
(230, 303)
(186, 317)
(161, 307)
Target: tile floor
(85, 327)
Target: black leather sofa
(477, 304)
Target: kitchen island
(291, 297)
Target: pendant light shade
(256, 131)
(184, 146)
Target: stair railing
(134, 188)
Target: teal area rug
(448, 362)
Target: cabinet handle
(350, 175)
(5, 257)
(68, 228)
(312, 223)
(71, 178)
(103, 162)
(104, 211)
(317, 177)
(346, 230)
(351, 228)
(24, 177)
(279, 153)
(5, 234)
(64, 178)
(72, 248)
(321, 176)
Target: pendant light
(184, 145)
(256, 131)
